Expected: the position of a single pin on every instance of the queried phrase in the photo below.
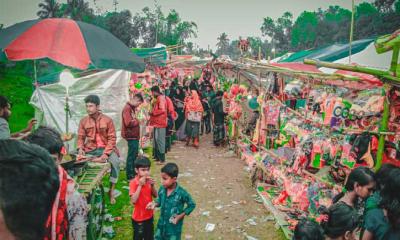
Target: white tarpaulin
(110, 85)
(366, 58)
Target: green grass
(123, 208)
(16, 85)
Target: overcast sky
(236, 18)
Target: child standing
(172, 199)
(142, 191)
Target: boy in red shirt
(142, 191)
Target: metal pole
(351, 30)
(35, 73)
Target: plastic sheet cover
(110, 85)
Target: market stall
(312, 129)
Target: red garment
(193, 103)
(89, 127)
(158, 117)
(140, 213)
(170, 108)
(99, 142)
(130, 128)
(57, 223)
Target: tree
(189, 48)
(397, 7)
(367, 20)
(222, 44)
(48, 9)
(78, 10)
(304, 31)
(283, 32)
(384, 5)
(268, 27)
(333, 26)
(153, 26)
(120, 25)
(146, 25)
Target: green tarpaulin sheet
(330, 53)
(157, 56)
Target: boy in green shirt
(172, 199)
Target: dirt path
(220, 185)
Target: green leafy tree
(153, 26)
(268, 27)
(367, 20)
(48, 9)
(222, 44)
(384, 5)
(189, 48)
(397, 7)
(333, 26)
(304, 33)
(78, 10)
(120, 25)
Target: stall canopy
(157, 55)
(367, 58)
(111, 85)
(330, 53)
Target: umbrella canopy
(71, 43)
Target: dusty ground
(220, 185)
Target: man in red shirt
(158, 120)
(130, 131)
(171, 117)
(142, 191)
(97, 137)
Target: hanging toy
(138, 85)
(253, 104)
(234, 89)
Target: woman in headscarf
(179, 100)
(193, 113)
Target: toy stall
(308, 129)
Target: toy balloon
(253, 104)
(234, 89)
(138, 85)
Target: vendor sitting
(97, 137)
(5, 113)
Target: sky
(235, 18)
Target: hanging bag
(195, 116)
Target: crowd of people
(39, 200)
(367, 208)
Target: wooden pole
(383, 128)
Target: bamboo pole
(361, 69)
(394, 63)
(383, 128)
